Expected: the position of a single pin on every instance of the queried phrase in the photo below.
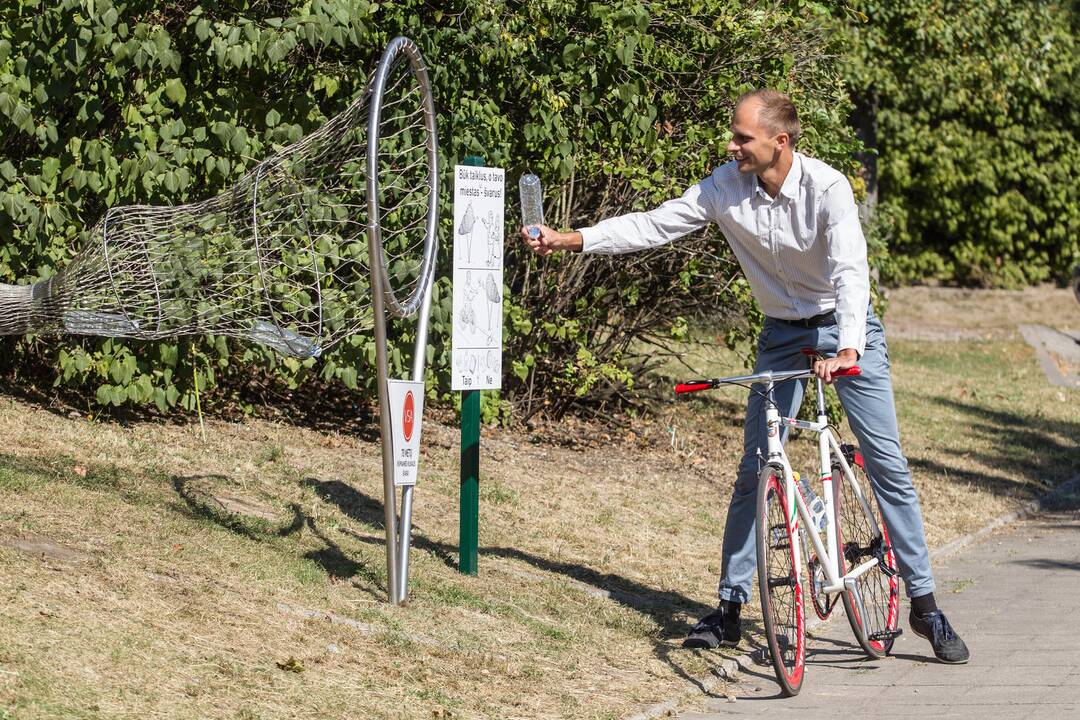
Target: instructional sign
(476, 361)
(406, 411)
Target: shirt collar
(790, 188)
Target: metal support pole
(405, 526)
(389, 493)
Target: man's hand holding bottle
(549, 240)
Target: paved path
(1014, 597)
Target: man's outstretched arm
(633, 231)
(551, 241)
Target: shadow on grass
(330, 557)
(1031, 455)
(665, 608)
(203, 504)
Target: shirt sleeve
(643, 230)
(848, 267)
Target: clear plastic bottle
(532, 203)
(814, 504)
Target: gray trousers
(868, 401)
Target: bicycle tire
(876, 629)
(779, 583)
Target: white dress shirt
(803, 252)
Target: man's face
(753, 146)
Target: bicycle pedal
(886, 635)
(881, 552)
(891, 572)
(785, 581)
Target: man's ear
(783, 140)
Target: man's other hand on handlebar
(826, 367)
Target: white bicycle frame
(828, 448)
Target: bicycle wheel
(778, 580)
(873, 605)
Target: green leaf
(175, 91)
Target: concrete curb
(730, 667)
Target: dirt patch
(952, 314)
(245, 506)
(1058, 353)
(42, 547)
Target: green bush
(616, 105)
(977, 109)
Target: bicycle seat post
(772, 420)
(820, 388)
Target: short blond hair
(776, 112)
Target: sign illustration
(479, 225)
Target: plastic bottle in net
(532, 203)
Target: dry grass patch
(949, 314)
(243, 576)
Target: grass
(243, 576)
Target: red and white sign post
(406, 412)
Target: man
(794, 227)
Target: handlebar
(768, 376)
(695, 385)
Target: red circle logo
(409, 415)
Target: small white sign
(406, 411)
(479, 205)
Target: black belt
(826, 318)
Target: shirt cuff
(590, 239)
(851, 336)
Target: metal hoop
(403, 46)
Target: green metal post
(469, 537)
(469, 515)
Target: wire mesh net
(279, 258)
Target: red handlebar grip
(691, 387)
(853, 370)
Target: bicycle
(854, 560)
